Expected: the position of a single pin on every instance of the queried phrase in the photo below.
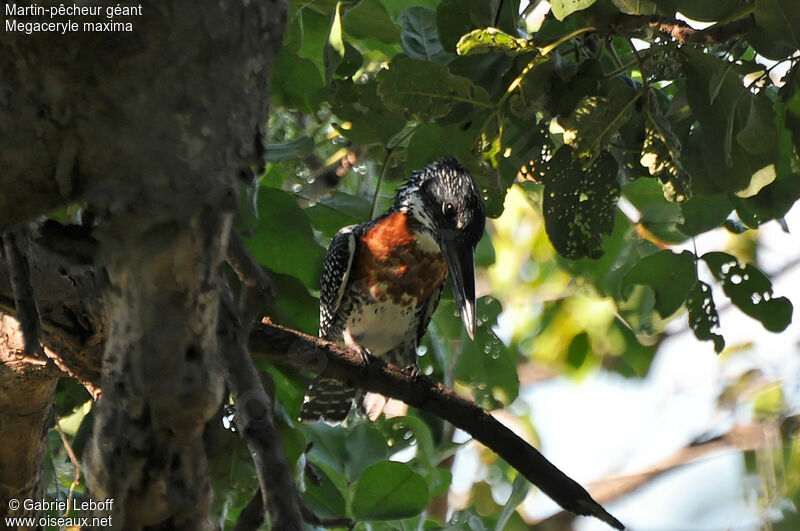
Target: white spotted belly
(382, 326)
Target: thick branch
(15, 244)
(27, 386)
(683, 32)
(257, 426)
(282, 345)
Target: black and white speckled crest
(429, 192)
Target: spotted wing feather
(328, 399)
(335, 274)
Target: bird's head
(444, 198)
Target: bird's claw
(366, 357)
(413, 372)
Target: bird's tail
(327, 399)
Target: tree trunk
(150, 130)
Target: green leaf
(636, 7)
(716, 11)
(578, 351)
(351, 63)
(595, 120)
(534, 93)
(669, 275)
(326, 499)
(296, 83)
(365, 119)
(396, 7)
(431, 141)
(486, 364)
(334, 51)
(329, 446)
(519, 490)
(294, 306)
(758, 134)
(579, 205)
(369, 19)
(454, 18)
(284, 241)
(703, 316)
(337, 210)
(314, 28)
(776, 34)
(750, 290)
(420, 37)
(366, 445)
(426, 90)
(492, 39)
(702, 213)
(279, 152)
(730, 166)
(657, 214)
(407, 431)
(389, 490)
(562, 8)
(484, 252)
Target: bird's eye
(449, 210)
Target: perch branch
(281, 345)
(683, 32)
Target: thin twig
(75, 462)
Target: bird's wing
(335, 273)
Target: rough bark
(26, 396)
(149, 129)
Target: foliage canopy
(628, 131)
(630, 140)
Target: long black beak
(460, 260)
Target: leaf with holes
(579, 204)
(669, 275)
(703, 316)
(661, 155)
(389, 490)
(595, 120)
(750, 290)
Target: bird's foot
(413, 372)
(366, 357)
